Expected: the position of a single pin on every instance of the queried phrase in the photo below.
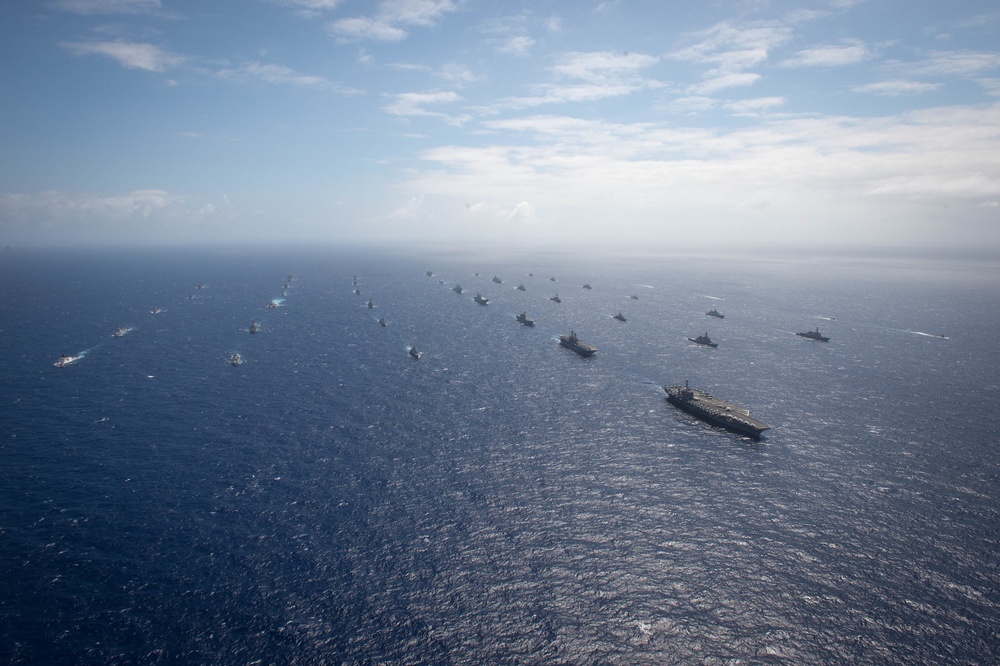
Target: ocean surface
(500, 500)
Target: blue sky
(447, 122)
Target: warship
(497, 280)
(814, 335)
(414, 353)
(620, 317)
(236, 359)
(371, 304)
(587, 286)
(254, 327)
(457, 289)
(120, 331)
(576, 344)
(704, 340)
(520, 287)
(482, 300)
(66, 359)
(523, 318)
(715, 411)
(556, 299)
(715, 313)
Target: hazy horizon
(462, 123)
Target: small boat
(520, 287)
(482, 300)
(383, 322)
(66, 359)
(370, 304)
(497, 280)
(254, 327)
(704, 340)
(236, 359)
(414, 353)
(587, 286)
(620, 317)
(556, 299)
(715, 313)
(120, 331)
(814, 335)
(457, 289)
(523, 318)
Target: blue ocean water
(501, 499)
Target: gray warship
(715, 411)
(576, 344)
(814, 335)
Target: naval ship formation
(718, 412)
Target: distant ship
(634, 297)
(572, 342)
(272, 304)
(430, 274)
(523, 318)
(587, 286)
(556, 299)
(370, 304)
(497, 280)
(619, 317)
(414, 353)
(382, 322)
(704, 340)
(254, 327)
(236, 359)
(717, 412)
(120, 331)
(814, 335)
(520, 287)
(65, 360)
(457, 289)
(715, 313)
(552, 279)
(358, 291)
(482, 300)
(156, 311)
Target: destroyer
(556, 299)
(120, 331)
(620, 317)
(715, 313)
(254, 327)
(66, 359)
(715, 411)
(482, 300)
(523, 318)
(236, 359)
(704, 340)
(576, 344)
(457, 289)
(814, 335)
(414, 353)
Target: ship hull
(716, 412)
(581, 348)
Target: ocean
(500, 500)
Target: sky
(643, 123)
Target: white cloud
(752, 107)
(99, 7)
(131, 55)
(413, 105)
(519, 45)
(716, 81)
(358, 28)
(815, 174)
(280, 75)
(852, 52)
(897, 87)
(956, 63)
(391, 18)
